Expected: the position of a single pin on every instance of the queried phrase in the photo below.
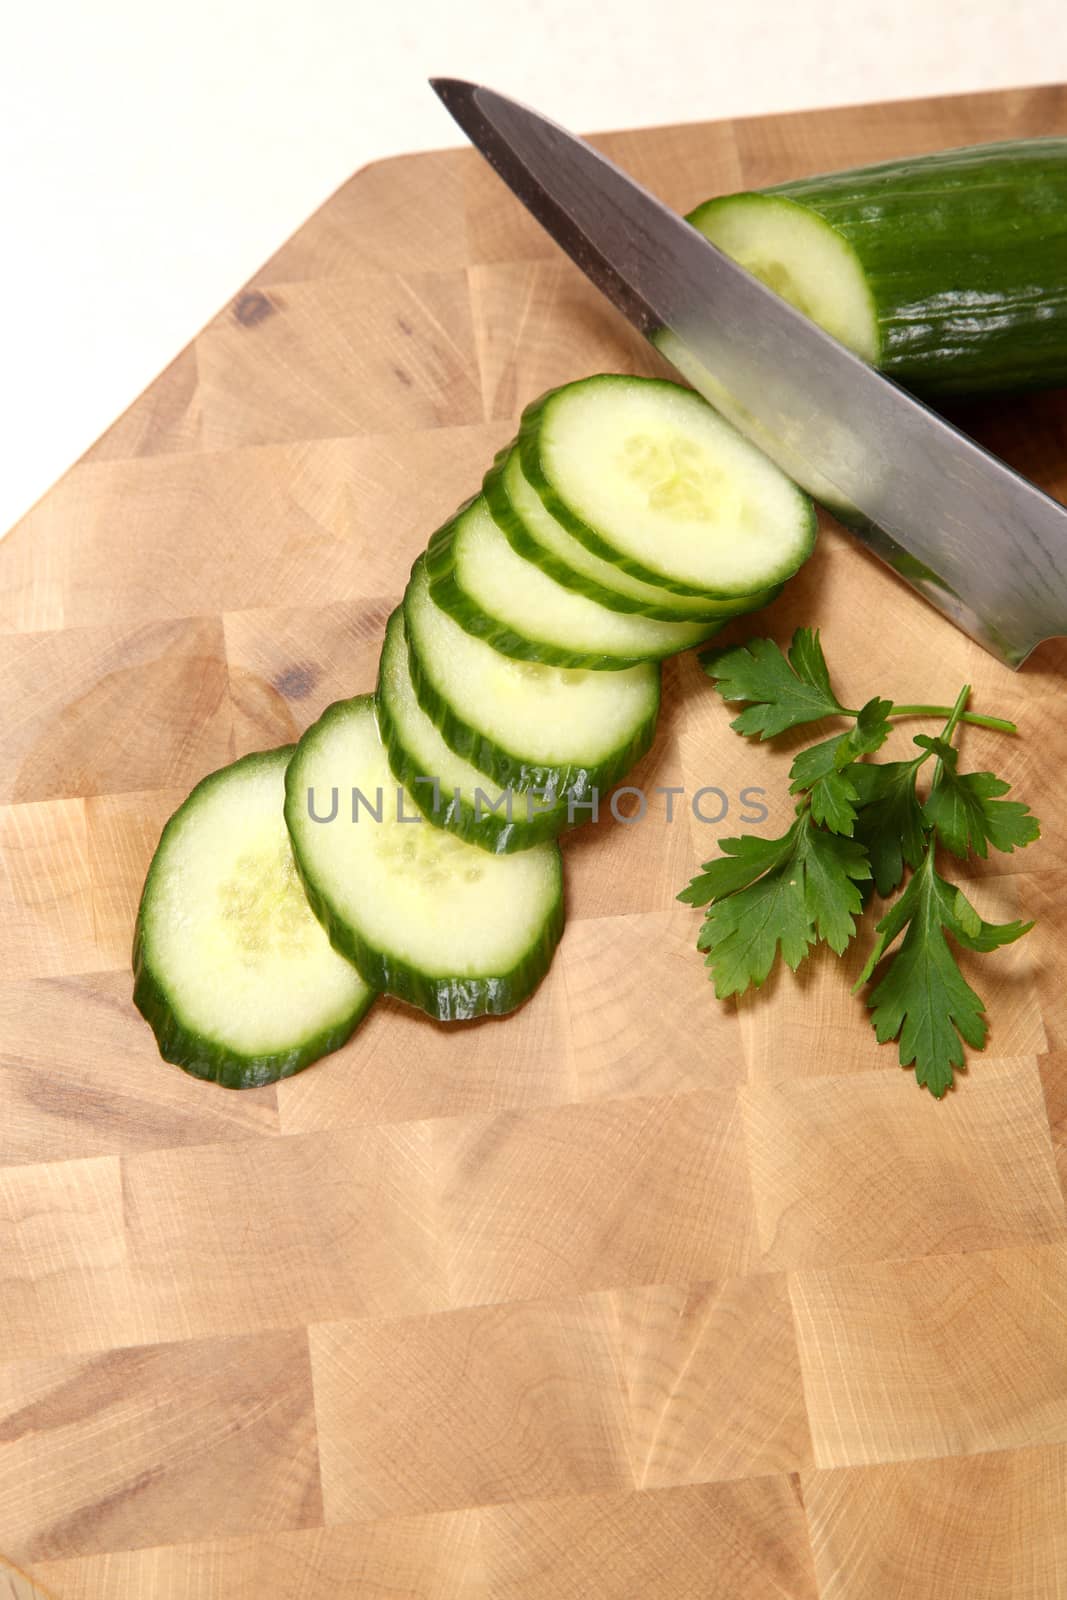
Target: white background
(154, 154)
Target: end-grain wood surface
(630, 1295)
(15, 1585)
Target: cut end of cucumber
(262, 907)
(541, 538)
(499, 596)
(234, 972)
(792, 460)
(525, 723)
(650, 476)
(676, 478)
(423, 915)
(799, 255)
(465, 800)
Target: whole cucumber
(946, 271)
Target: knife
(978, 540)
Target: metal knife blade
(981, 542)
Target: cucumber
(232, 971)
(650, 477)
(538, 537)
(494, 593)
(528, 726)
(947, 271)
(779, 446)
(448, 927)
(463, 799)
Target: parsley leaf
(826, 772)
(890, 822)
(822, 770)
(872, 726)
(771, 896)
(860, 822)
(743, 933)
(965, 809)
(785, 691)
(924, 1000)
(831, 867)
(742, 860)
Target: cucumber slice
(232, 971)
(648, 476)
(779, 446)
(527, 725)
(798, 254)
(492, 592)
(463, 800)
(538, 537)
(441, 924)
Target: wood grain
(491, 1403)
(128, 1447)
(15, 1585)
(935, 1356)
(712, 1379)
(632, 1294)
(270, 1234)
(982, 1526)
(76, 1080)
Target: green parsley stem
(956, 712)
(950, 727)
(998, 724)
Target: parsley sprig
(860, 824)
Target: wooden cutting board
(632, 1294)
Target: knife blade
(978, 540)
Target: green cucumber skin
(490, 832)
(965, 256)
(447, 592)
(524, 544)
(529, 447)
(212, 1061)
(197, 1053)
(449, 998)
(509, 770)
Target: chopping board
(633, 1293)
